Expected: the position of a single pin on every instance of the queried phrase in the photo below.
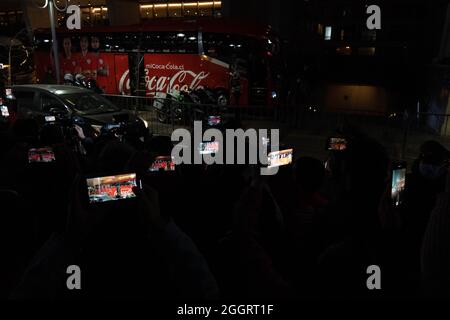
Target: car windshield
(89, 103)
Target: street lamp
(51, 6)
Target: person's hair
(367, 162)
(160, 145)
(115, 156)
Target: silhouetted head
(309, 174)
(161, 145)
(433, 160)
(114, 157)
(432, 152)
(367, 165)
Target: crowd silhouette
(221, 231)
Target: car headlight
(145, 123)
(274, 95)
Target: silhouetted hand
(148, 209)
(79, 131)
(82, 218)
(389, 215)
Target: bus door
(136, 73)
(106, 73)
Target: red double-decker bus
(237, 59)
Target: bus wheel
(163, 115)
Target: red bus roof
(218, 25)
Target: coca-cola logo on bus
(183, 80)
(168, 66)
(124, 83)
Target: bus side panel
(220, 72)
(168, 72)
(221, 78)
(122, 74)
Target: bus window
(244, 53)
(227, 47)
(169, 42)
(130, 41)
(120, 42)
(43, 41)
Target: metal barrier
(145, 108)
(401, 133)
(183, 115)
